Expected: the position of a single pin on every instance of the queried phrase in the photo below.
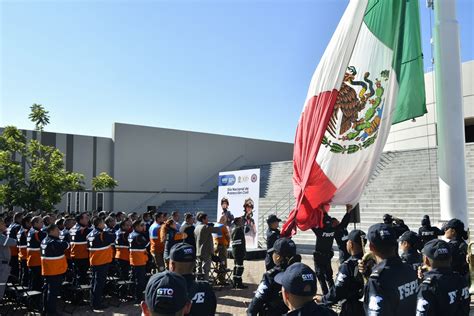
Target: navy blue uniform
(391, 289)
(428, 233)
(312, 309)
(412, 257)
(459, 252)
(204, 301)
(12, 232)
(443, 292)
(272, 236)
(349, 288)
(323, 252)
(267, 299)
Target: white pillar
(449, 108)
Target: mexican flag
(370, 77)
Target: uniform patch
(374, 303)
(261, 289)
(420, 305)
(340, 278)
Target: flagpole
(449, 108)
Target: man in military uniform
(267, 299)
(298, 289)
(428, 232)
(349, 286)
(238, 252)
(5, 244)
(273, 233)
(323, 252)
(392, 285)
(409, 243)
(182, 261)
(442, 292)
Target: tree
(103, 181)
(32, 175)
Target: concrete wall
(157, 159)
(422, 132)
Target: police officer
(238, 252)
(298, 289)
(166, 294)
(122, 251)
(455, 233)
(391, 288)
(349, 285)
(12, 232)
(5, 244)
(428, 232)
(53, 267)
(397, 224)
(267, 299)
(33, 252)
(323, 252)
(273, 233)
(442, 292)
(138, 257)
(22, 237)
(79, 250)
(182, 261)
(100, 244)
(409, 243)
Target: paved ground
(230, 301)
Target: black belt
(4, 262)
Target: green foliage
(32, 175)
(103, 181)
(39, 116)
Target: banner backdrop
(237, 186)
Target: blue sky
(229, 67)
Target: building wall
(422, 132)
(157, 159)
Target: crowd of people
(167, 263)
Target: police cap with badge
(437, 249)
(166, 293)
(356, 235)
(285, 247)
(410, 237)
(182, 252)
(381, 235)
(298, 279)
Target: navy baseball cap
(356, 235)
(382, 234)
(437, 249)
(166, 293)
(409, 236)
(285, 247)
(298, 279)
(272, 218)
(456, 224)
(182, 252)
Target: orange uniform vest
(79, 241)
(33, 249)
(53, 260)
(138, 244)
(100, 247)
(122, 246)
(22, 238)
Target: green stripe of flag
(396, 23)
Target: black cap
(437, 249)
(166, 293)
(409, 236)
(285, 247)
(356, 235)
(182, 252)
(272, 218)
(298, 279)
(387, 219)
(456, 224)
(382, 234)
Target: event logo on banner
(238, 186)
